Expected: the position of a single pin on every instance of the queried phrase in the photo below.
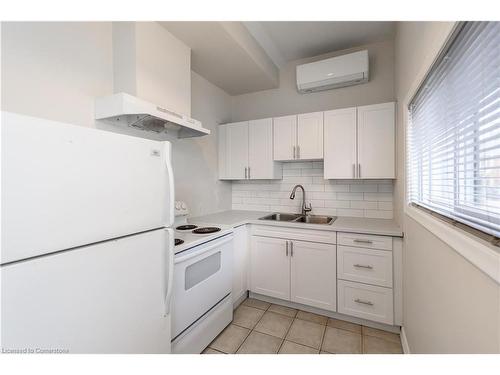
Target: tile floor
(262, 328)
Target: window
(454, 132)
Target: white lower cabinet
(350, 273)
(270, 267)
(297, 271)
(240, 262)
(366, 301)
(367, 266)
(312, 276)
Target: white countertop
(235, 218)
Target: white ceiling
(298, 40)
(227, 55)
(242, 57)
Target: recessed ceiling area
(243, 57)
(298, 40)
(227, 55)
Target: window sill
(480, 254)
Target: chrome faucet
(305, 207)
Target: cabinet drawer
(365, 301)
(365, 240)
(364, 265)
(289, 233)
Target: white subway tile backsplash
(358, 198)
(386, 206)
(366, 205)
(300, 165)
(312, 172)
(372, 188)
(337, 204)
(386, 197)
(339, 188)
(350, 196)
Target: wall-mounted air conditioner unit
(340, 71)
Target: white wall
(286, 100)
(55, 70)
(450, 306)
(355, 198)
(195, 159)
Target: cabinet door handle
(246, 173)
(354, 170)
(294, 152)
(363, 241)
(363, 266)
(357, 300)
(298, 152)
(286, 251)
(359, 170)
(291, 248)
(249, 172)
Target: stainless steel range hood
(129, 112)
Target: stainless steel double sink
(299, 218)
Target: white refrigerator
(87, 248)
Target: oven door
(202, 278)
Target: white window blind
(454, 131)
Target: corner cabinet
(360, 142)
(246, 151)
(298, 137)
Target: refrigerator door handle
(170, 265)
(171, 187)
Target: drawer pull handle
(363, 241)
(357, 300)
(363, 266)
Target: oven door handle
(170, 265)
(218, 242)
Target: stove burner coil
(206, 230)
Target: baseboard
(239, 300)
(404, 342)
(331, 314)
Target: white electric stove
(203, 262)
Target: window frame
(480, 253)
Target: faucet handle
(307, 208)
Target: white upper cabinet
(246, 151)
(233, 160)
(261, 164)
(376, 143)
(310, 136)
(340, 144)
(285, 137)
(360, 142)
(298, 137)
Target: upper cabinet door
(310, 136)
(285, 137)
(340, 141)
(376, 144)
(236, 150)
(260, 150)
